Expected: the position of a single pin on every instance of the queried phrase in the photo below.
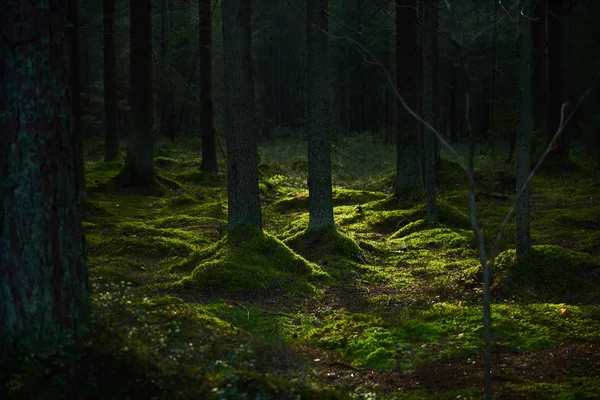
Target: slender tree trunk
(111, 128)
(555, 75)
(318, 113)
(453, 122)
(429, 147)
(494, 61)
(436, 77)
(43, 268)
(538, 26)
(209, 148)
(139, 162)
(525, 129)
(242, 154)
(409, 173)
(75, 93)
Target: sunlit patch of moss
(565, 388)
(216, 210)
(167, 163)
(438, 238)
(411, 227)
(340, 197)
(237, 384)
(548, 273)
(197, 176)
(318, 245)
(418, 335)
(100, 171)
(249, 261)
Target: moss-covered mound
(242, 384)
(340, 197)
(317, 245)
(249, 261)
(548, 273)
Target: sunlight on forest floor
(387, 309)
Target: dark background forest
(277, 199)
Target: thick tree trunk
(429, 147)
(209, 148)
(43, 268)
(75, 94)
(409, 174)
(525, 129)
(320, 203)
(242, 154)
(111, 127)
(139, 162)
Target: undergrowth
(383, 307)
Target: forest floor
(387, 308)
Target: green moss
(195, 175)
(341, 197)
(248, 261)
(419, 335)
(252, 385)
(564, 389)
(318, 245)
(549, 273)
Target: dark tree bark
(489, 80)
(409, 174)
(429, 147)
(437, 116)
(43, 268)
(555, 78)
(209, 148)
(111, 113)
(75, 94)
(139, 162)
(320, 203)
(242, 154)
(525, 129)
(453, 116)
(538, 26)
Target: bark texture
(209, 148)
(242, 154)
(539, 88)
(525, 129)
(409, 173)
(111, 127)
(429, 147)
(139, 162)
(43, 268)
(72, 34)
(320, 204)
(556, 94)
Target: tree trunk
(139, 162)
(523, 239)
(320, 203)
(43, 268)
(436, 77)
(75, 94)
(538, 26)
(409, 174)
(429, 147)
(494, 61)
(555, 76)
(209, 148)
(111, 128)
(242, 154)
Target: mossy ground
(384, 307)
